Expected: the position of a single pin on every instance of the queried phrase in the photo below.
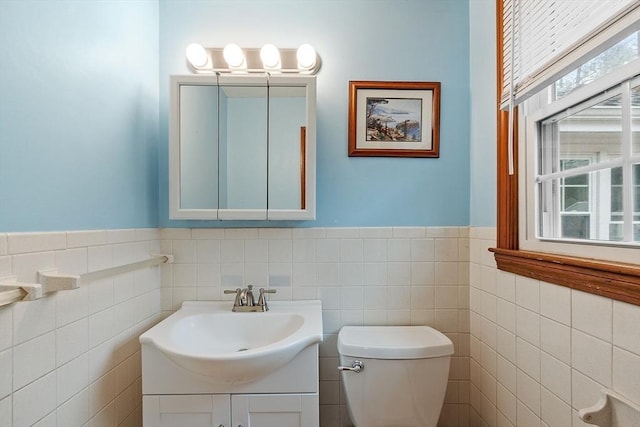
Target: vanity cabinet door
(210, 410)
(275, 410)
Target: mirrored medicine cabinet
(242, 147)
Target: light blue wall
(482, 78)
(78, 114)
(421, 40)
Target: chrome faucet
(245, 301)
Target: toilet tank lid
(393, 342)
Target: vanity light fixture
(234, 59)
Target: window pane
(575, 226)
(595, 132)
(618, 55)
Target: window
(569, 206)
(586, 178)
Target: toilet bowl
(394, 376)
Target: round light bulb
(233, 55)
(196, 55)
(306, 56)
(270, 56)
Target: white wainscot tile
(101, 360)
(101, 294)
(328, 250)
(506, 403)
(374, 250)
(528, 293)
(20, 243)
(256, 251)
(101, 392)
(528, 359)
(585, 392)
(446, 249)
(626, 374)
(506, 374)
(375, 297)
(6, 369)
(555, 412)
(423, 250)
(184, 251)
(506, 315)
(528, 325)
(33, 318)
(280, 251)
(328, 274)
(208, 274)
(555, 339)
(626, 333)
(100, 257)
(422, 273)
(555, 376)
(592, 314)
(506, 344)
(351, 250)
(398, 273)
(72, 305)
(33, 359)
(330, 297)
(422, 297)
(72, 377)
(304, 273)
(592, 357)
(6, 331)
(34, 401)
(4, 250)
(555, 302)
(208, 251)
(77, 239)
(72, 340)
(75, 411)
(101, 327)
(506, 285)
(351, 298)
(351, 274)
(399, 298)
(447, 297)
(528, 391)
(184, 275)
(416, 232)
(207, 234)
(489, 280)
(6, 406)
(26, 267)
(304, 250)
(446, 273)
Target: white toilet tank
(403, 378)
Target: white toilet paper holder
(612, 410)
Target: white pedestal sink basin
(207, 339)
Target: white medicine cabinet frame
(242, 147)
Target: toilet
(394, 376)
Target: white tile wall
(387, 275)
(555, 347)
(72, 358)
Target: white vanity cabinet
(226, 410)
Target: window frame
(616, 280)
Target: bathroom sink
(206, 338)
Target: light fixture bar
(303, 60)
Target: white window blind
(545, 39)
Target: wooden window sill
(619, 281)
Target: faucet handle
(238, 293)
(262, 300)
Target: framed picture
(394, 119)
